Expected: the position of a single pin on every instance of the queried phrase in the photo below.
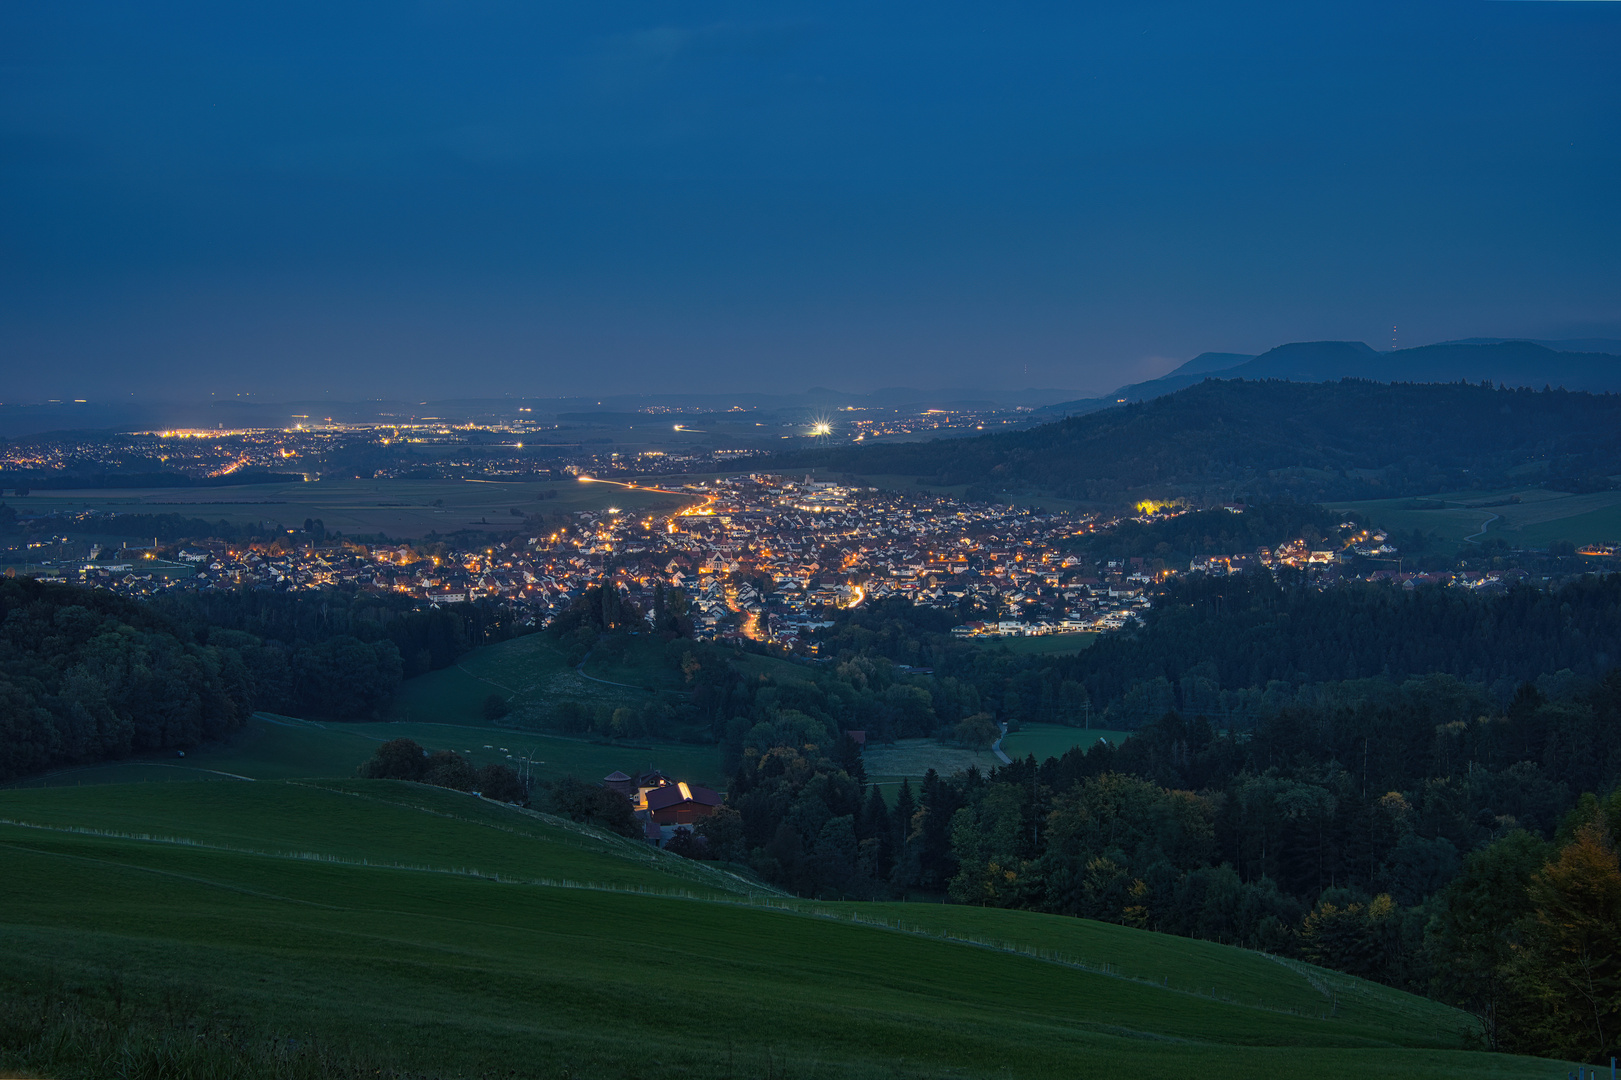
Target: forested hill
(1268, 439)
(87, 676)
(1249, 631)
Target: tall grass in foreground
(52, 1029)
(64, 1032)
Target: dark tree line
(1202, 533)
(1420, 834)
(425, 639)
(1246, 631)
(405, 759)
(1234, 647)
(89, 676)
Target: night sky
(464, 199)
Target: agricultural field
(405, 509)
(280, 747)
(887, 764)
(1054, 740)
(1524, 517)
(534, 676)
(374, 928)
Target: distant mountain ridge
(1275, 438)
(1511, 362)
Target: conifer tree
(905, 808)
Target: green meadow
(1538, 517)
(530, 672)
(888, 764)
(432, 933)
(910, 759)
(278, 747)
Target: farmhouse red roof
(676, 794)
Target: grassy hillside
(1523, 516)
(430, 931)
(889, 763)
(1053, 740)
(279, 747)
(530, 672)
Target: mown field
(535, 677)
(910, 759)
(400, 508)
(395, 928)
(1054, 740)
(1538, 518)
(279, 747)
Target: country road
(996, 747)
(1483, 527)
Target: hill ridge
(1511, 361)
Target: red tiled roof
(676, 794)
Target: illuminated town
(762, 557)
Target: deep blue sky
(471, 198)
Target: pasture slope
(432, 931)
(271, 747)
(1528, 517)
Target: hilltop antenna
(1392, 339)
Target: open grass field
(1053, 740)
(401, 508)
(278, 747)
(640, 661)
(535, 677)
(1540, 516)
(909, 759)
(431, 931)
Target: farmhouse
(679, 803)
(663, 804)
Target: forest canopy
(1221, 439)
